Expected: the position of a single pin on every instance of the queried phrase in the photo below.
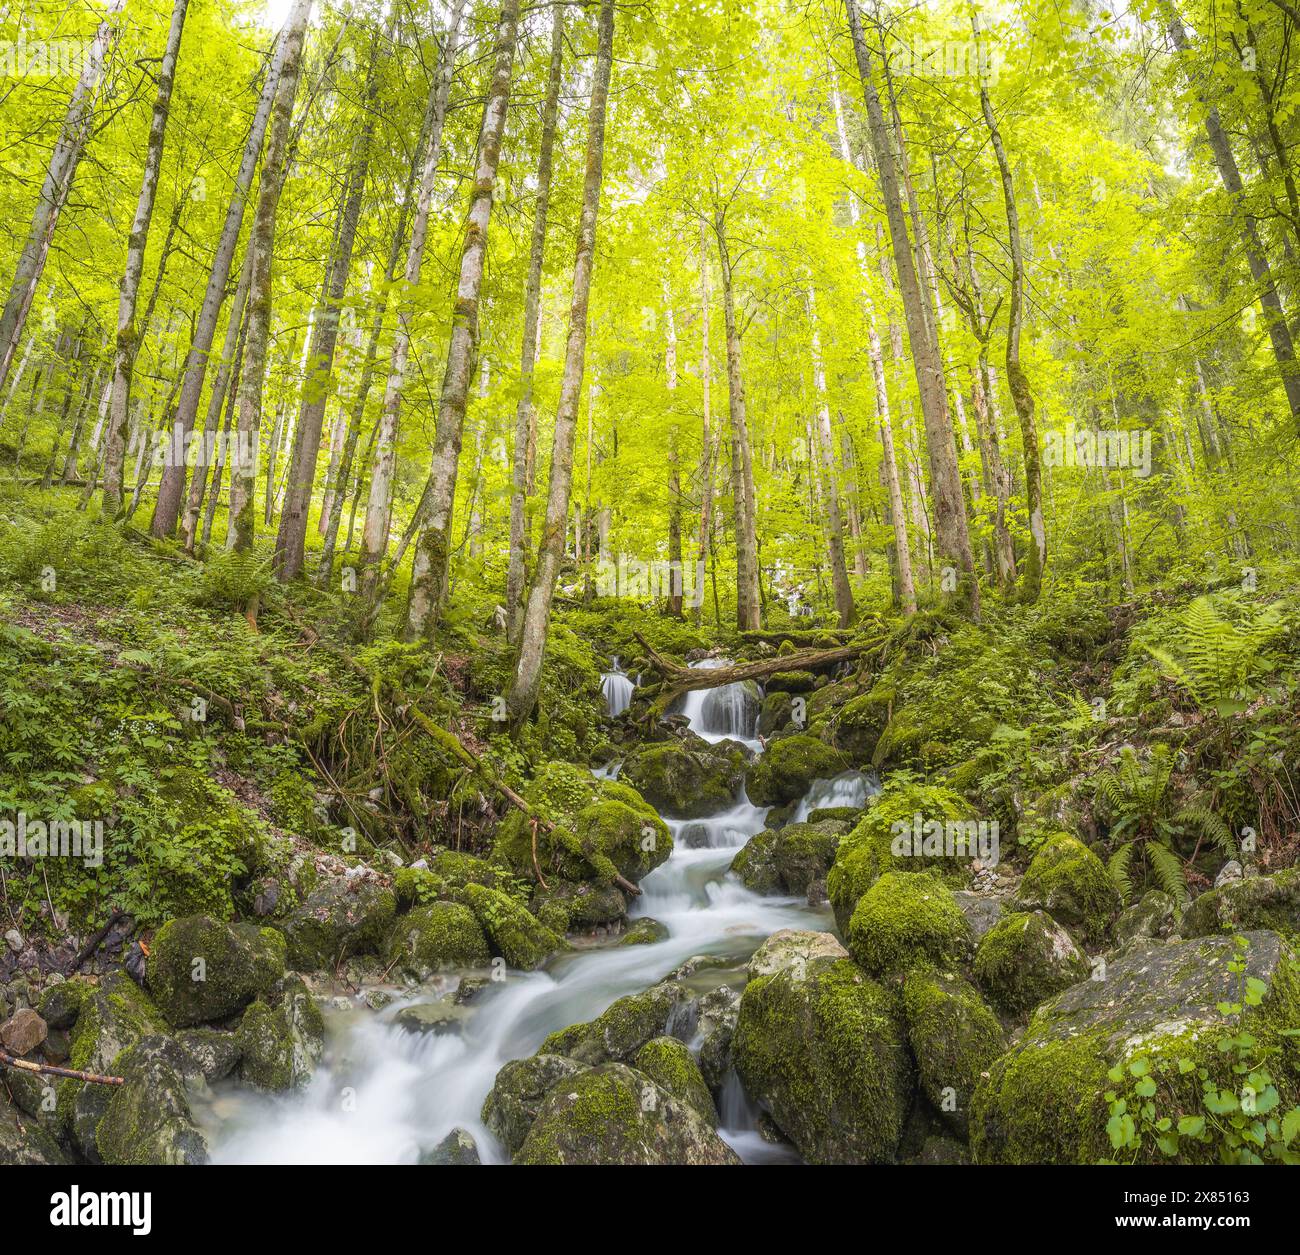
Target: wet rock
(1153, 916)
(514, 932)
(201, 970)
(24, 1143)
(793, 947)
(431, 1017)
(148, 1119)
(622, 1029)
(435, 938)
(776, 713)
(585, 904)
(61, 1003)
(613, 1114)
(1271, 902)
(981, 910)
(670, 1064)
(788, 768)
(1044, 1101)
(687, 778)
(821, 1047)
(340, 917)
(1025, 958)
(469, 990)
(789, 860)
(715, 1028)
(209, 1054)
(457, 1149)
(518, 1092)
(644, 932)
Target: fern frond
(1117, 867)
(1202, 820)
(1169, 873)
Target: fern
(1117, 867)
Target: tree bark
(708, 440)
(526, 683)
(432, 560)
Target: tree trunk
(516, 574)
(707, 441)
(522, 697)
(374, 540)
(54, 191)
(950, 509)
(432, 561)
(243, 462)
(676, 576)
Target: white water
(617, 688)
(383, 1095)
(849, 788)
(728, 712)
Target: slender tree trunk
(516, 574)
(243, 463)
(54, 191)
(676, 577)
(1271, 304)
(708, 440)
(950, 507)
(524, 688)
(826, 442)
(167, 508)
(374, 541)
(292, 539)
(124, 360)
(223, 446)
(432, 561)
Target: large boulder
(148, 1119)
(856, 727)
(821, 1047)
(670, 1064)
(613, 1114)
(789, 860)
(518, 1092)
(578, 904)
(687, 778)
(1161, 1013)
(281, 1039)
(438, 937)
(1025, 958)
(789, 766)
(907, 919)
(1271, 902)
(200, 969)
(623, 1028)
(1070, 883)
(954, 1038)
(603, 829)
(512, 930)
(796, 948)
(341, 918)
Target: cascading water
(728, 712)
(849, 788)
(386, 1095)
(617, 688)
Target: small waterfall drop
(849, 788)
(617, 688)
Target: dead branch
(48, 1069)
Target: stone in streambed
(789, 766)
(687, 778)
(518, 1092)
(513, 931)
(1025, 958)
(435, 938)
(670, 1064)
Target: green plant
(1144, 816)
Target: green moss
(1069, 882)
(670, 1064)
(1271, 902)
(266, 1048)
(954, 1039)
(200, 970)
(337, 919)
(1024, 959)
(788, 768)
(686, 779)
(644, 932)
(438, 937)
(821, 1046)
(620, 1031)
(514, 932)
(904, 920)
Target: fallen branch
(48, 1069)
(96, 940)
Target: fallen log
(48, 1069)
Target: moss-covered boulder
(622, 1029)
(339, 919)
(584, 903)
(776, 713)
(518, 1092)
(512, 930)
(458, 1149)
(1271, 902)
(60, 1003)
(441, 936)
(1044, 1101)
(444, 875)
(791, 859)
(791, 682)
(715, 1030)
(856, 726)
(954, 1039)
(1070, 883)
(615, 1115)
(148, 1119)
(884, 840)
(281, 1040)
(1154, 915)
(201, 970)
(25, 1144)
(906, 919)
(821, 1047)
(644, 932)
(788, 767)
(670, 1064)
(687, 778)
(1025, 958)
(603, 828)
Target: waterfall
(617, 689)
(849, 788)
(728, 712)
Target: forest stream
(385, 1095)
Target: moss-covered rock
(24, 1144)
(1044, 1101)
(603, 828)
(644, 932)
(954, 1039)
(790, 764)
(281, 1040)
(585, 904)
(883, 841)
(622, 1029)
(458, 1149)
(793, 948)
(615, 1115)
(776, 713)
(1271, 902)
(1027, 957)
(444, 875)
(856, 727)
(339, 919)
(518, 1092)
(791, 682)
(821, 1047)
(512, 930)
(1070, 883)
(1153, 916)
(148, 1118)
(60, 1004)
(438, 937)
(670, 1064)
(200, 970)
(789, 860)
(907, 919)
(715, 1030)
(687, 778)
